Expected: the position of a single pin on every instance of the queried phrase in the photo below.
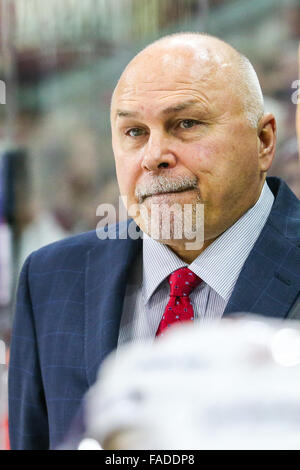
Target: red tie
(179, 309)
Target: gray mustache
(160, 185)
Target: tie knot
(182, 282)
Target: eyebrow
(122, 113)
(179, 107)
(169, 110)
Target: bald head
(201, 57)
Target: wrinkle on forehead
(168, 93)
(161, 88)
(160, 102)
(162, 95)
(168, 78)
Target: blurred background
(59, 63)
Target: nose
(158, 154)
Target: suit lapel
(294, 313)
(106, 273)
(269, 282)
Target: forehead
(158, 79)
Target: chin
(172, 225)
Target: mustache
(161, 185)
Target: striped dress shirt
(219, 265)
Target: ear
(267, 141)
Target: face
(180, 136)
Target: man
(188, 128)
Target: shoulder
(285, 213)
(71, 252)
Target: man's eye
(135, 132)
(187, 123)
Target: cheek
(205, 156)
(219, 156)
(127, 173)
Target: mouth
(163, 193)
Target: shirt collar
(158, 262)
(220, 263)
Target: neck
(188, 256)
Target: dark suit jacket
(69, 307)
